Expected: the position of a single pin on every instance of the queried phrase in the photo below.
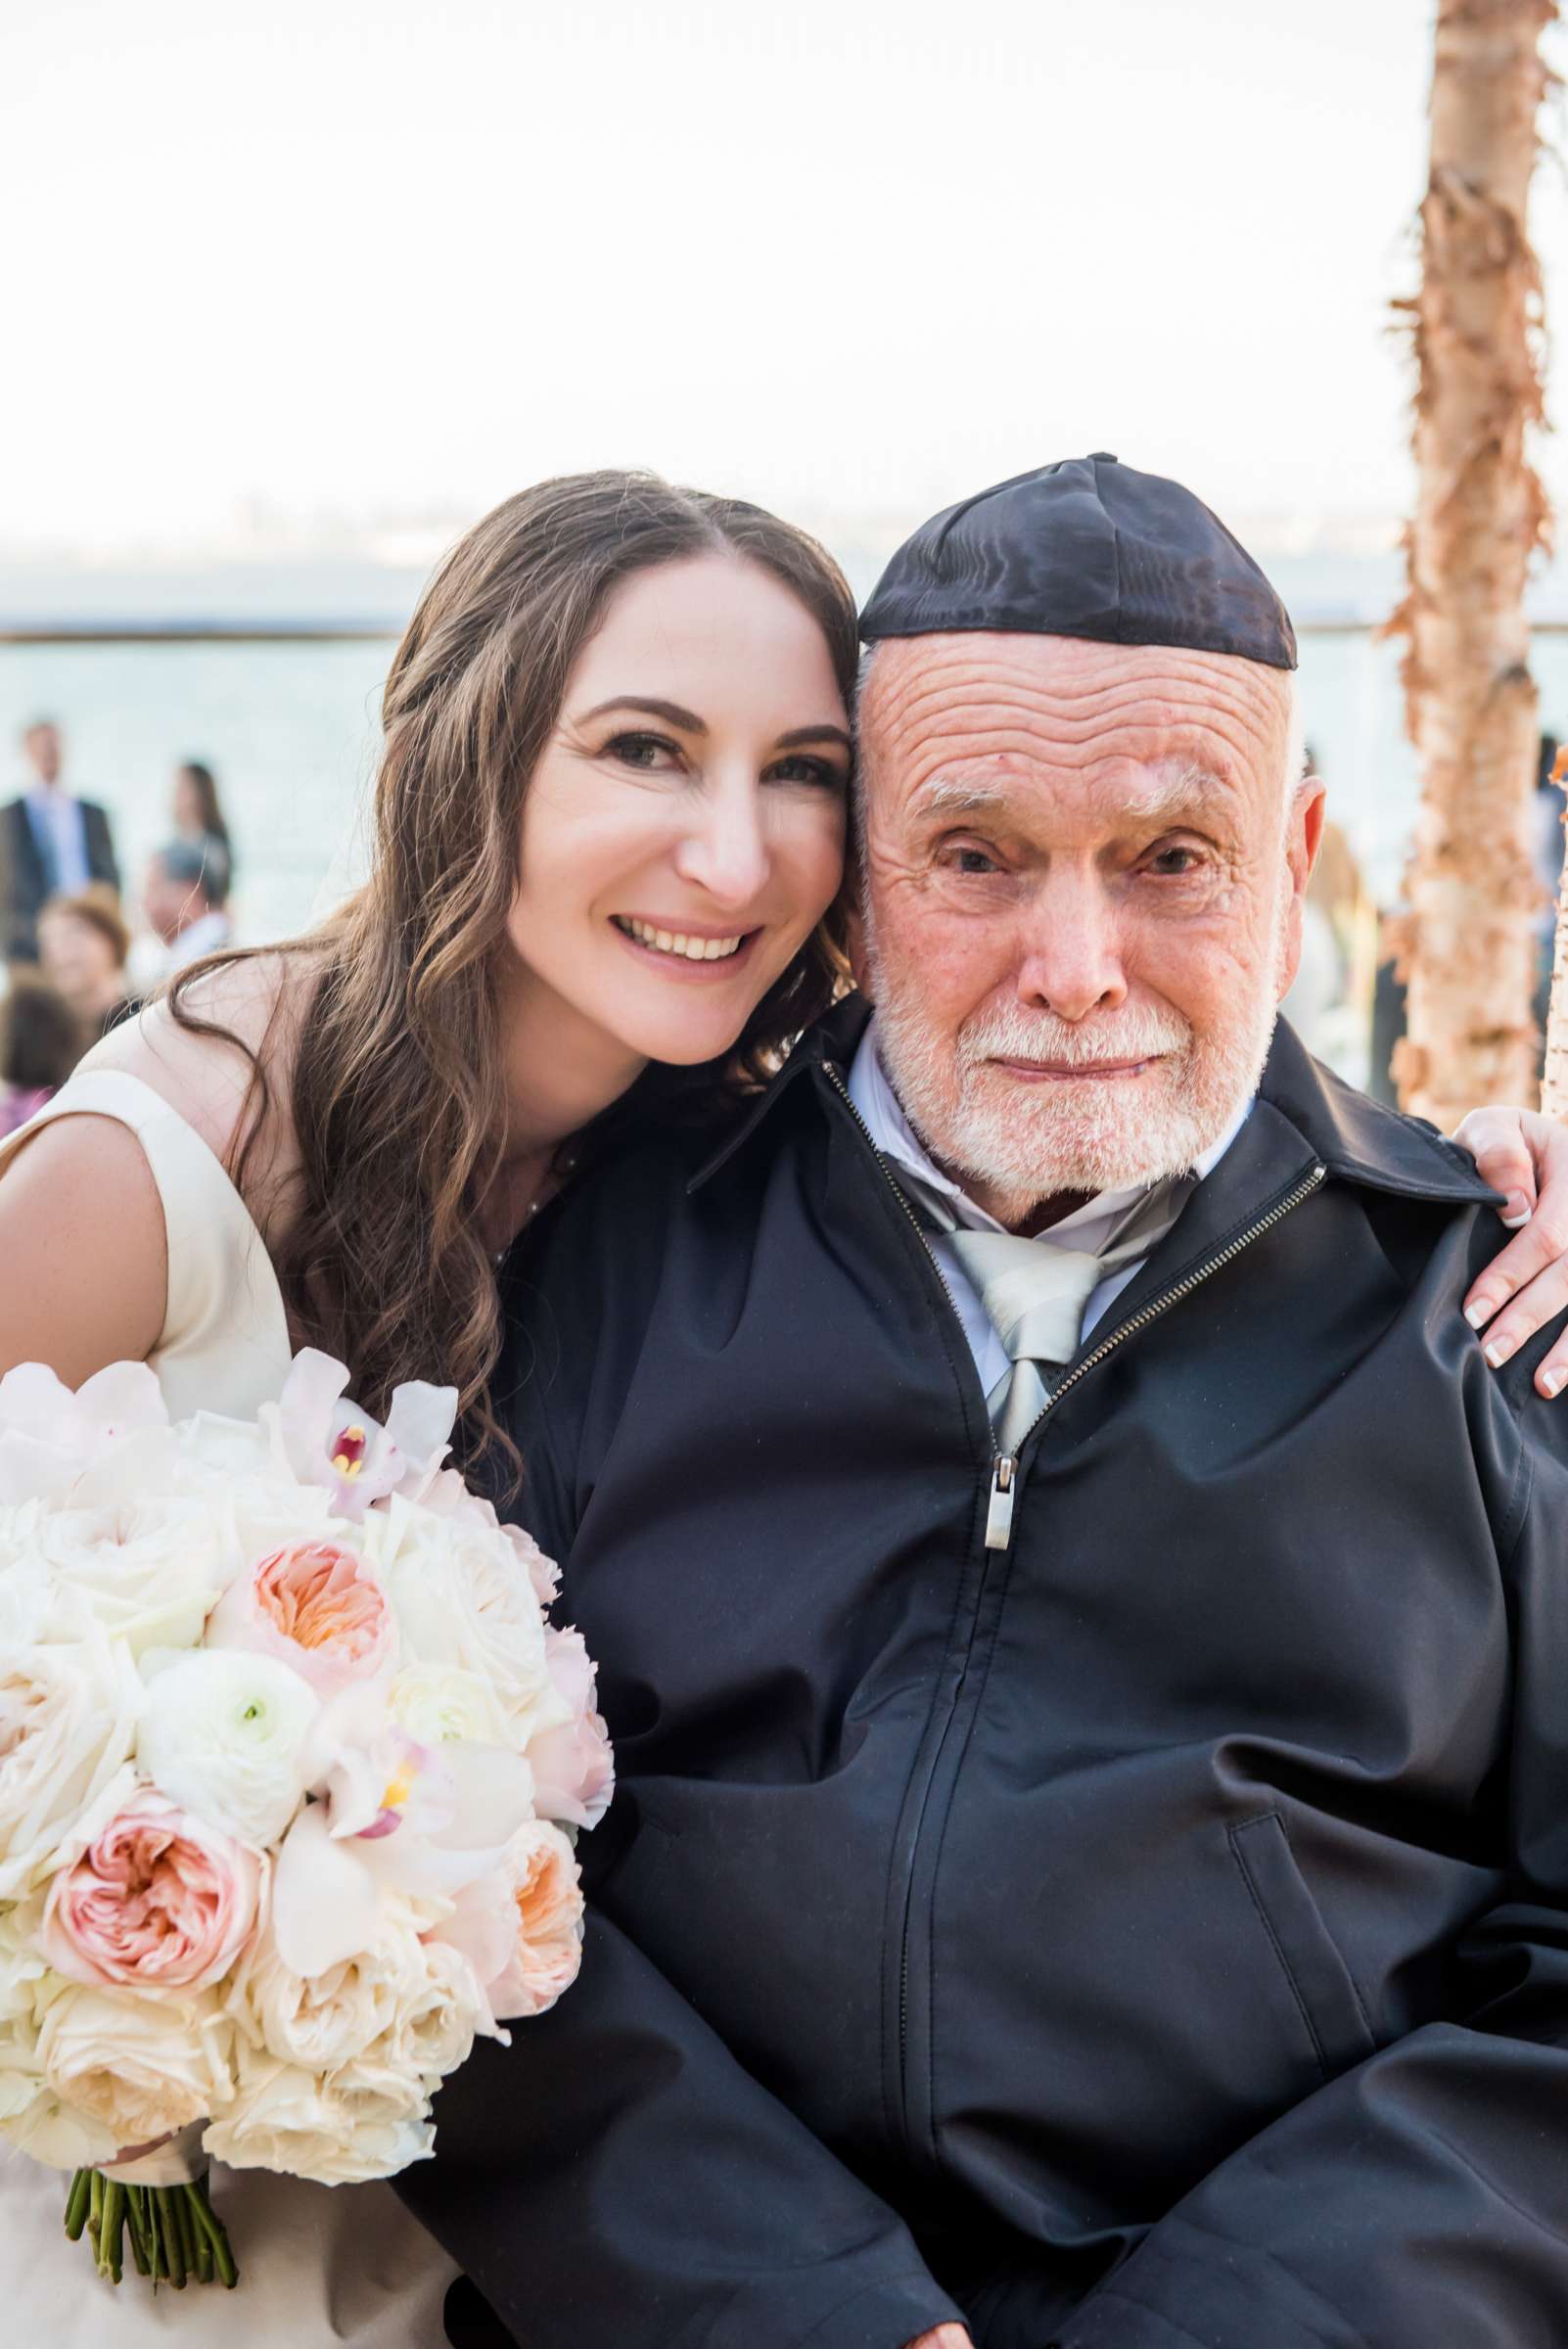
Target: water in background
(291, 731)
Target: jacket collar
(1318, 1119)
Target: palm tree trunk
(1470, 702)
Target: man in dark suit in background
(51, 842)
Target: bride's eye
(798, 767)
(650, 753)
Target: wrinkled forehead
(988, 705)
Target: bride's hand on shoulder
(1524, 1156)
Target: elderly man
(1087, 1634)
(184, 898)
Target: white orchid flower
(327, 1439)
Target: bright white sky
(392, 256)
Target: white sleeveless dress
(318, 2265)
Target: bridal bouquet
(291, 1766)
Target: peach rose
(521, 1926)
(574, 1767)
(315, 1606)
(157, 1900)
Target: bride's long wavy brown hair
(397, 1090)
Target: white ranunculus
(224, 1733)
(137, 2066)
(440, 1702)
(67, 1724)
(360, 2126)
(461, 1601)
(321, 2021)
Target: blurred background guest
(184, 901)
(82, 945)
(1547, 849)
(199, 821)
(40, 1043)
(1327, 1001)
(51, 842)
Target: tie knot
(1034, 1293)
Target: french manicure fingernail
(1516, 1211)
(1553, 1380)
(1478, 1313)
(1497, 1351)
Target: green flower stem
(76, 2201)
(169, 2228)
(214, 2229)
(111, 2248)
(136, 2228)
(205, 2269)
(95, 2210)
(187, 2227)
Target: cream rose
(321, 2021)
(68, 1722)
(138, 2067)
(148, 1567)
(363, 2124)
(434, 2029)
(462, 1600)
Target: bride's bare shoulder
(243, 1016)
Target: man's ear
(1303, 837)
(1303, 830)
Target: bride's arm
(84, 1260)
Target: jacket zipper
(1004, 1465)
(1000, 1516)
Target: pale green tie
(1034, 1294)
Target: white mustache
(1015, 1034)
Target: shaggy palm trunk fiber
(1470, 703)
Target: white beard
(1029, 1140)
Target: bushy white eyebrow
(1185, 791)
(1188, 791)
(943, 797)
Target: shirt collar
(890, 1129)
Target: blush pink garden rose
(315, 1606)
(157, 1900)
(574, 1767)
(520, 1926)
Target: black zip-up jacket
(1152, 1933)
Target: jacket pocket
(1328, 2000)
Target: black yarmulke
(1085, 548)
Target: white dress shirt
(56, 816)
(1087, 1227)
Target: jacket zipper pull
(1000, 1514)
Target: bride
(608, 884)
